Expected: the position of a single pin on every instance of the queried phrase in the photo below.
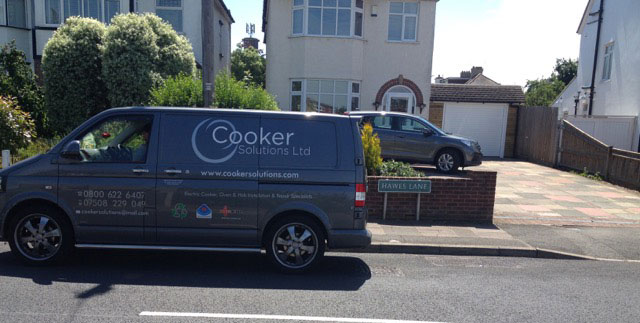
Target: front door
(400, 102)
(111, 190)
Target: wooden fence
(578, 150)
(537, 135)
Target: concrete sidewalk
(512, 240)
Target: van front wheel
(295, 244)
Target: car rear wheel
(295, 244)
(40, 236)
(448, 161)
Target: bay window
(403, 21)
(13, 13)
(57, 11)
(171, 12)
(326, 96)
(334, 18)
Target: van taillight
(361, 192)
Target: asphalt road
(103, 286)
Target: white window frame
(304, 92)
(404, 17)
(103, 13)
(305, 6)
(607, 65)
(181, 9)
(4, 11)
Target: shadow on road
(187, 269)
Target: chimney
(440, 80)
(476, 70)
(250, 42)
(465, 74)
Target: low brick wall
(467, 197)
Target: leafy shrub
(234, 94)
(371, 146)
(16, 127)
(36, 147)
(179, 91)
(139, 51)
(248, 65)
(398, 169)
(72, 65)
(18, 81)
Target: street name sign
(404, 186)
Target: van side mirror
(427, 132)
(72, 150)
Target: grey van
(411, 138)
(192, 179)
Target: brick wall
(435, 114)
(468, 197)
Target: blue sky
(514, 40)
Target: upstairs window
(608, 62)
(403, 21)
(337, 18)
(171, 12)
(56, 11)
(13, 13)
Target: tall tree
(248, 65)
(542, 92)
(565, 69)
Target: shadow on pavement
(187, 269)
(429, 223)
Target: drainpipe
(595, 57)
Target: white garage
(486, 113)
(486, 123)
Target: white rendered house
(346, 55)
(32, 22)
(612, 114)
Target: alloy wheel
(445, 162)
(38, 237)
(295, 245)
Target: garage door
(486, 123)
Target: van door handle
(173, 171)
(140, 170)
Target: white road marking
(277, 317)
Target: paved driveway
(528, 193)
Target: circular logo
(223, 134)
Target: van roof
(239, 111)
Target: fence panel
(537, 133)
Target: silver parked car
(411, 138)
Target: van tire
(448, 161)
(41, 235)
(299, 254)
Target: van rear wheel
(40, 236)
(295, 244)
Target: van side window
(382, 122)
(409, 124)
(117, 140)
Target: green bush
(371, 146)
(17, 129)
(18, 81)
(398, 169)
(36, 147)
(234, 94)
(248, 65)
(179, 91)
(72, 65)
(139, 51)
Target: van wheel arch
(284, 214)
(14, 211)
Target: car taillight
(361, 192)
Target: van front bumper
(347, 239)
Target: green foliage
(372, 151)
(234, 94)
(248, 65)
(17, 81)
(72, 64)
(542, 92)
(139, 51)
(179, 91)
(36, 147)
(565, 70)
(398, 169)
(585, 173)
(16, 127)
